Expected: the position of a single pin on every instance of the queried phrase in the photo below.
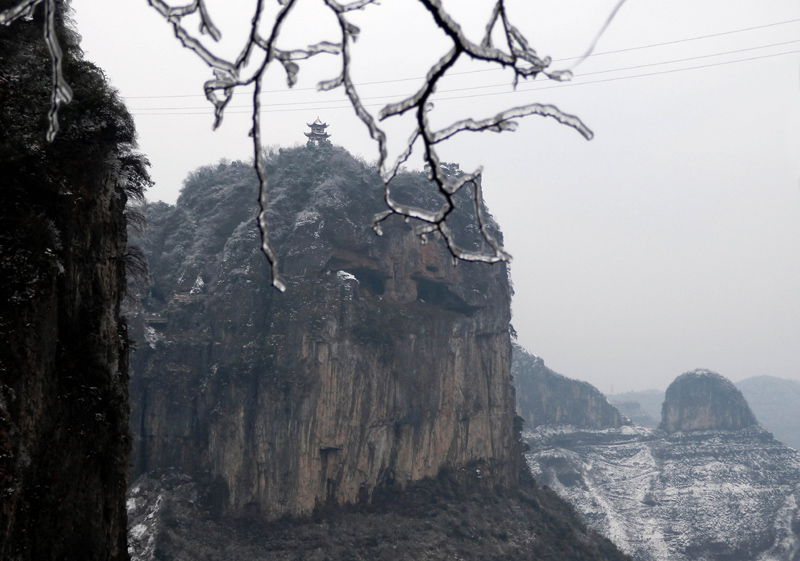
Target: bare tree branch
(516, 55)
(61, 92)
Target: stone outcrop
(704, 400)
(717, 487)
(547, 398)
(64, 444)
(382, 364)
(774, 402)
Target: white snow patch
(198, 285)
(138, 531)
(151, 336)
(345, 276)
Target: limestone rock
(64, 445)
(704, 400)
(547, 398)
(382, 364)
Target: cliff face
(547, 398)
(372, 399)
(703, 400)
(64, 443)
(382, 363)
(713, 493)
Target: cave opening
(369, 279)
(439, 294)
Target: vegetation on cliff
(64, 442)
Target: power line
(472, 88)
(693, 38)
(521, 90)
(647, 74)
(500, 69)
(690, 58)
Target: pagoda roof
(317, 123)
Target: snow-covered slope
(710, 485)
(705, 495)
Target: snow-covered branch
(61, 92)
(515, 54)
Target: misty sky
(667, 243)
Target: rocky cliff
(717, 487)
(64, 444)
(369, 408)
(547, 398)
(382, 363)
(703, 400)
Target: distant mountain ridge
(774, 401)
(649, 401)
(715, 487)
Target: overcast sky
(669, 242)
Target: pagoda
(317, 133)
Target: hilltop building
(317, 133)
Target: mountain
(367, 412)
(776, 403)
(643, 408)
(545, 397)
(634, 411)
(711, 485)
(704, 401)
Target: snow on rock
(699, 496)
(197, 287)
(709, 485)
(345, 276)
